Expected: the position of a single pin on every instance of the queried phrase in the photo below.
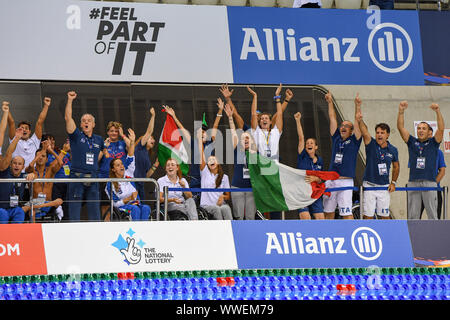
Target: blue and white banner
(68, 40)
(325, 46)
(325, 244)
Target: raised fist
(5, 106)
(297, 116)
(71, 95)
(434, 107)
(289, 94)
(47, 101)
(403, 105)
(152, 111)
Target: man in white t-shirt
(28, 144)
(307, 4)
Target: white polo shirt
(27, 149)
(164, 181)
(267, 142)
(208, 180)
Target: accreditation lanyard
(43, 176)
(90, 154)
(420, 164)
(314, 166)
(340, 155)
(382, 167)
(268, 152)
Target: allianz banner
(317, 46)
(110, 41)
(140, 42)
(328, 244)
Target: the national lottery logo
(134, 250)
(120, 32)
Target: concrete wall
(380, 104)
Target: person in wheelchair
(124, 194)
(177, 200)
(212, 176)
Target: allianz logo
(365, 243)
(389, 47)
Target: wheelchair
(172, 215)
(117, 215)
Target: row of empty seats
(340, 4)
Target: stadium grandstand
(227, 151)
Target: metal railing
(361, 190)
(84, 180)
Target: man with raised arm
(346, 141)
(423, 152)
(380, 154)
(12, 193)
(29, 143)
(87, 150)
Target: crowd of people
(119, 155)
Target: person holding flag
(171, 141)
(173, 157)
(308, 159)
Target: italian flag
(277, 187)
(171, 145)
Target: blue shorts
(315, 207)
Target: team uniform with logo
(116, 150)
(10, 195)
(136, 210)
(422, 173)
(343, 161)
(376, 174)
(305, 162)
(85, 153)
(143, 164)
